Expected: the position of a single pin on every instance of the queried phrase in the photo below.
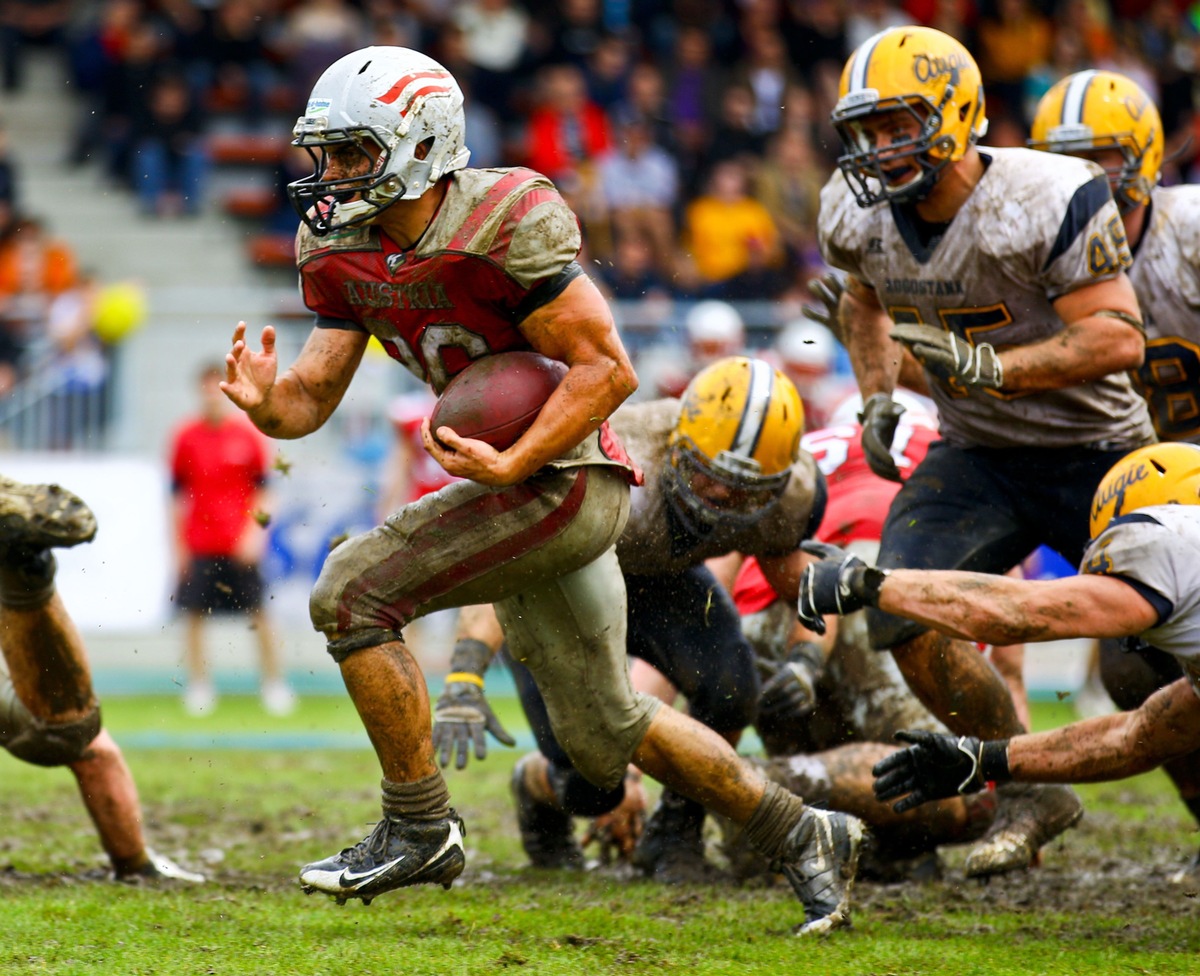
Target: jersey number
(434, 341)
(1170, 378)
(972, 324)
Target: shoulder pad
(309, 245)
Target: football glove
(879, 418)
(791, 689)
(841, 583)
(462, 714)
(949, 357)
(828, 291)
(937, 765)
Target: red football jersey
(459, 293)
(858, 499)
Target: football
(497, 398)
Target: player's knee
(52, 743)
(325, 609)
(27, 578)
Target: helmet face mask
(732, 449)
(1101, 113)
(402, 111)
(931, 85)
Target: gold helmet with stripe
(732, 449)
(931, 79)
(1094, 111)
(1159, 474)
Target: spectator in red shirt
(219, 466)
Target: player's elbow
(1128, 349)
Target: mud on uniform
(1166, 276)
(861, 696)
(502, 244)
(1014, 470)
(681, 620)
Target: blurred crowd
(690, 136)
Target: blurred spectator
(712, 330)
(567, 133)
(1012, 40)
(228, 63)
(641, 189)
(219, 464)
(953, 17)
(34, 269)
(569, 30)
(633, 276)
(74, 364)
(28, 22)
(815, 34)
(495, 38)
(1067, 57)
(607, 71)
(170, 159)
(736, 135)
(726, 230)
(765, 71)
(646, 100)
(695, 86)
(788, 184)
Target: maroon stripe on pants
(490, 506)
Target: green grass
(251, 817)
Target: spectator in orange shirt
(725, 229)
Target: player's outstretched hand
(952, 359)
(840, 583)
(790, 690)
(462, 714)
(249, 374)
(827, 289)
(934, 766)
(879, 418)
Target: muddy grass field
(1101, 901)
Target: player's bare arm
(1002, 610)
(576, 328)
(1099, 338)
(302, 399)
(1167, 725)
(875, 356)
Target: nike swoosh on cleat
(349, 877)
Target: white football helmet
(393, 99)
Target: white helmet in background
(395, 99)
(716, 328)
(919, 411)
(806, 346)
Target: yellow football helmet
(732, 449)
(933, 79)
(1160, 474)
(1091, 111)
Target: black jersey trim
(1084, 205)
(547, 291)
(330, 322)
(1162, 606)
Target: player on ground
(49, 715)
(1002, 271)
(1107, 118)
(1138, 579)
(444, 264)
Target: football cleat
(1028, 815)
(396, 854)
(672, 848)
(43, 516)
(547, 833)
(1189, 874)
(820, 861)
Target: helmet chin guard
(368, 117)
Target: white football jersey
(1166, 276)
(1158, 549)
(1037, 227)
(648, 547)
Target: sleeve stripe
(1084, 205)
(1162, 606)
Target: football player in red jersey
(444, 264)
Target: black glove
(791, 690)
(879, 418)
(462, 714)
(828, 291)
(949, 357)
(937, 765)
(841, 583)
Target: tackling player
(1002, 270)
(1107, 118)
(445, 264)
